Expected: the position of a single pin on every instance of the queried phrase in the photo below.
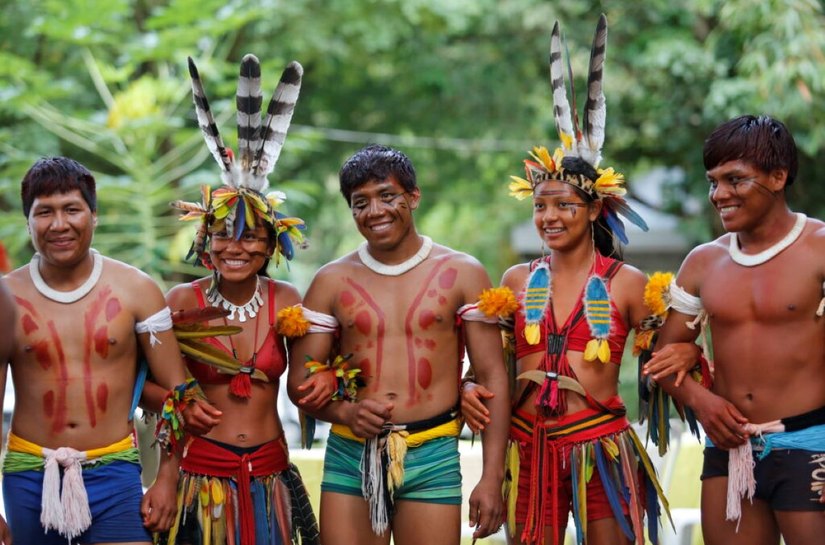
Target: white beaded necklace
(752, 260)
(250, 307)
(399, 269)
(66, 297)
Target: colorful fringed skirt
(233, 496)
(590, 462)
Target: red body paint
(380, 326)
(41, 354)
(102, 341)
(60, 410)
(432, 293)
(102, 396)
(347, 298)
(365, 366)
(425, 373)
(94, 338)
(412, 368)
(28, 324)
(446, 280)
(48, 404)
(363, 322)
(112, 309)
(426, 319)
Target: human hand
(722, 421)
(159, 504)
(5, 533)
(486, 508)
(674, 358)
(199, 417)
(319, 388)
(475, 414)
(367, 417)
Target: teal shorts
(432, 472)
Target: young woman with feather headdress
(236, 483)
(572, 447)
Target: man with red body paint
(396, 303)
(73, 365)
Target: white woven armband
(319, 322)
(471, 313)
(157, 322)
(682, 301)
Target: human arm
(486, 357)
(7, 323)
(364, 417)
(159, 504)
(721, 420)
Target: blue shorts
(114, 492)
(432, 472)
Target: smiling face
(241, 259)
(742, 193)
(61, 227)
(382, 210)
(561, 215)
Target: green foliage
(460, 85)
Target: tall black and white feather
(561, 105)
(595, 109)
(207, 123)
(304, 523)
(275, 125)
(248, 100)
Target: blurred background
(461, 86)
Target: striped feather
(537, 294)
(206, 121)
(248, 100)
(278, 117)
(303, 519)
(611, 491)
(561, 106)
(595, 109)
(597, 307)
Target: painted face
(239, 259)
(61, 226)
(742, 193)
(561, 215)
(382, 210)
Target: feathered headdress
(576, 162)
(235, 205)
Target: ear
(94, 219)
(414, 198)
(595, 210)
(777, 179)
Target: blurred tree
(460, 85)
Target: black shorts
(787, 479)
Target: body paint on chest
(380, 326)
(97, 340)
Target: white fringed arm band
(471, 313)
(319, 322)
(154, 324)
(682, 301)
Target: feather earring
(537, 295)
(597, 312)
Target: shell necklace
(752, 260)
(66, 297)
(250, 308)
(400, 268)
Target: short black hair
(50, 175)
(762, 141)
(376, 162)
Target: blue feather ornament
(536, 298)
(597, 312)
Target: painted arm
(7, 323)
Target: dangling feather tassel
(561, 109)
(595, 109)
(248, 101)
(536, 298)
(597, 312)
(207, 122)
(304, 523)
(278, 117)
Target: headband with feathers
(235, 205)
(576, 162)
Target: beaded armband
(347, 379)
(170, 425)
